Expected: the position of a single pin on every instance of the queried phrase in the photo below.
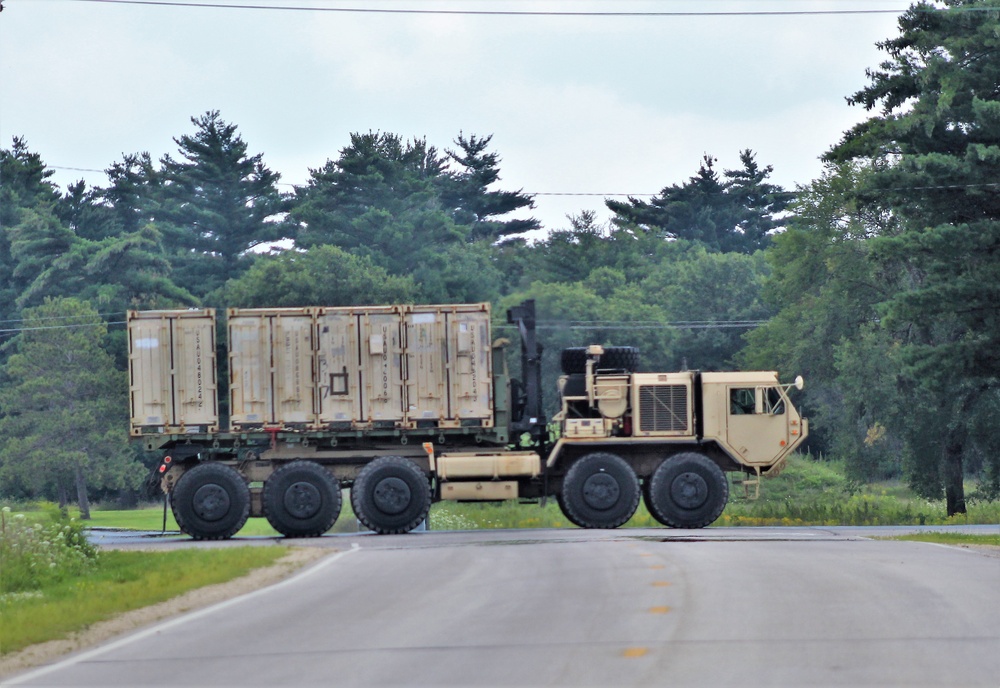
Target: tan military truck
(408, 405)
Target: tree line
(876, 281)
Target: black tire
(573, 360)
(391, 495)
(620, 358)
(302, 499)
(688, 490)
(600, 490)
(211, 502)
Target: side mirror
(799, 382)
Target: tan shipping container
(404, 365)
(337, 367)
(173, 386)
(359, 359)
(426, 366)
(271, 367)
(471, 364)
(449, 363)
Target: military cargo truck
(408, 405)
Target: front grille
(663, 408)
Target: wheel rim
(601, 491)
(689, 490)
(211, 502)
(302, 500)
(392, 495)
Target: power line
(59, 317)
(527, 13)
(625, 326)
(18, 330)
(936, 187)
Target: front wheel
(211, 502)
(391, 495)
(688, 490)
(600, 490)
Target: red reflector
(167, 459)
(163, 469)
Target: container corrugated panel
(337, 366)
(426, 366)
(294, 389)
(195, 385)
(172, 383)
(470, 361)
(380, 359)
(271, 367)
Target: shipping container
(172, 381)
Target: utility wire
(527, 13)
(60, 327)
(60, 317)
(620, 194)
(544, 13)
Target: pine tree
(467, 194)
(221, 203)
(734, 212)
(936, 146)
(63, 408)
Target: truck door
(757, 423)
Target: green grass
(119, 582)
(151, 518)
(951, 538)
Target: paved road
(719, 607)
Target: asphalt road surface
(718, 607)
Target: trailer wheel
(302, 499)
(391, 495)
(600, 490)
(688, 490)
(573, 360)
(211, 502)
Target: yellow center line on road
(659, 610)
(633, 652)
(661, 584)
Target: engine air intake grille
(663, 408)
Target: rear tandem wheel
(211, 502)
(302, 499)
(688, 490)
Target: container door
(195, 385)
(381, 354)
(470, 360)
(292, 354)
(426, 367)
(337, 366)
(249, 370)
(150, 367)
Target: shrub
(36, 554)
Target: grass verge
(118, 582)
(951, 538)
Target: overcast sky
(581, 105)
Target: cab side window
(742, 401)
